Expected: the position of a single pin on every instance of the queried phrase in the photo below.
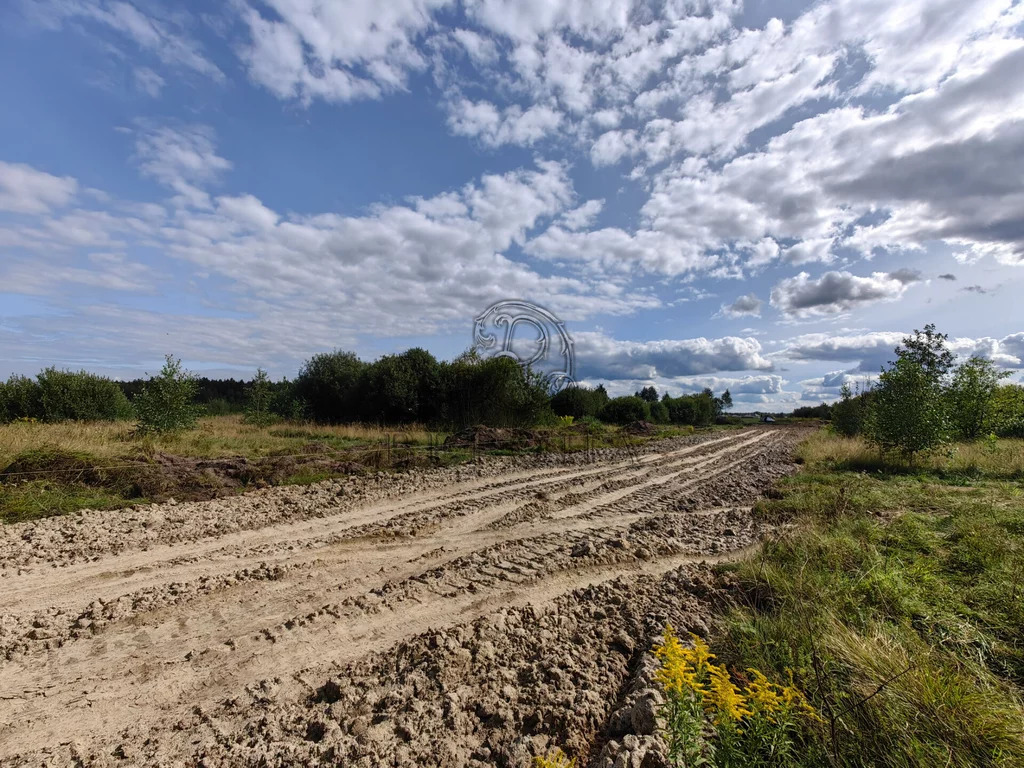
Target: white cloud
(511, 125)
(182, 158)
(598, 356)
(23, 189)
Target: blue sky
(763, 196)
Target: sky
(764, 196)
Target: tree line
(338, 387)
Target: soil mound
(640, 428)
(495, 438)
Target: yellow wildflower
(677, 674)
(700, 655)
(556, 759)
(762, 695)
(724, 696)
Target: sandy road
(153, 640)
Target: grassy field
(48, 469)
(896, 600)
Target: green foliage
(625, 410)
(659, 412)
(908, 410)
(1006, 412)
(329, 385)
(400, 389)
(57, 395)
(167, 401)
(565, 421)
(698, 410)
(579, 402)
(492, 391)
(971, 394)
(823, 411)
(850, 413)
(259, 400)
(648, 394)
(895, 601)
(928, 349)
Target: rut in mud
(470, 616)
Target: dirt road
(467, 616)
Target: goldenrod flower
(762, 695)
(678, 673)
(556, 759)
(724, 696)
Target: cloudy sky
(761, 195)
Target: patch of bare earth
(475, 615)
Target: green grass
(896, 596)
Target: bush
(492, 391)
(697, 410)
(399, 389)
(659, 412)
(58, 395)
(167, 401)
(971, 394)
(850, 413)
(579, 402)
(908, 413)
(328, 384)
(1006, 414)
(625, 410)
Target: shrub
(399, 389)
(849, 414)
(971, 393)
(167, 401)
(1006, 414)
(493, 391)
(624, 410)
(659, 412)
(579, 402)
(57, 395)
(908, 413)
(328, 384)
(697, 410)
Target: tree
(928, 349)
(167, 401)
(970, 396)
(908, 412)
(259, 397)
(648, 394)
(726, 400)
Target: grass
(54, 469)
(896, 597)
(215, 436)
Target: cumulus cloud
(834, 292)
(875, 349)
(748, 305)
(495, 127)
(599, 356)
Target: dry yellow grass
(998, 458)
(214, 436)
